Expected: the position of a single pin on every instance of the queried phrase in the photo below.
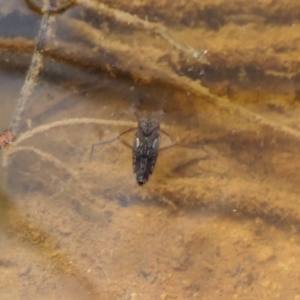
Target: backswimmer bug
(145, 147)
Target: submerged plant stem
(129, 20)
(70, 122)
(131, 61)
(34, 69)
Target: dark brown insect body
(145, 149)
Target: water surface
(205, 226)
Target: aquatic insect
(145, 147)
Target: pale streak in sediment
(34, 69)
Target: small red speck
(6, 138)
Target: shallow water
(205, 226)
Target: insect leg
(99, 144)
(164, 132)
(169, 146)
(166, 147)
(199, 146)
(191, 146)
(112, 140)
(124, 142)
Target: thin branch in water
(150, 71)
(70, 122)
(134, 21)
(45, 156)
(34, 69)
(130, 60)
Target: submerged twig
(134, 21)
(130, 61)
(70, 122)
(45, 156)
(142, 67)
(34, 69)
